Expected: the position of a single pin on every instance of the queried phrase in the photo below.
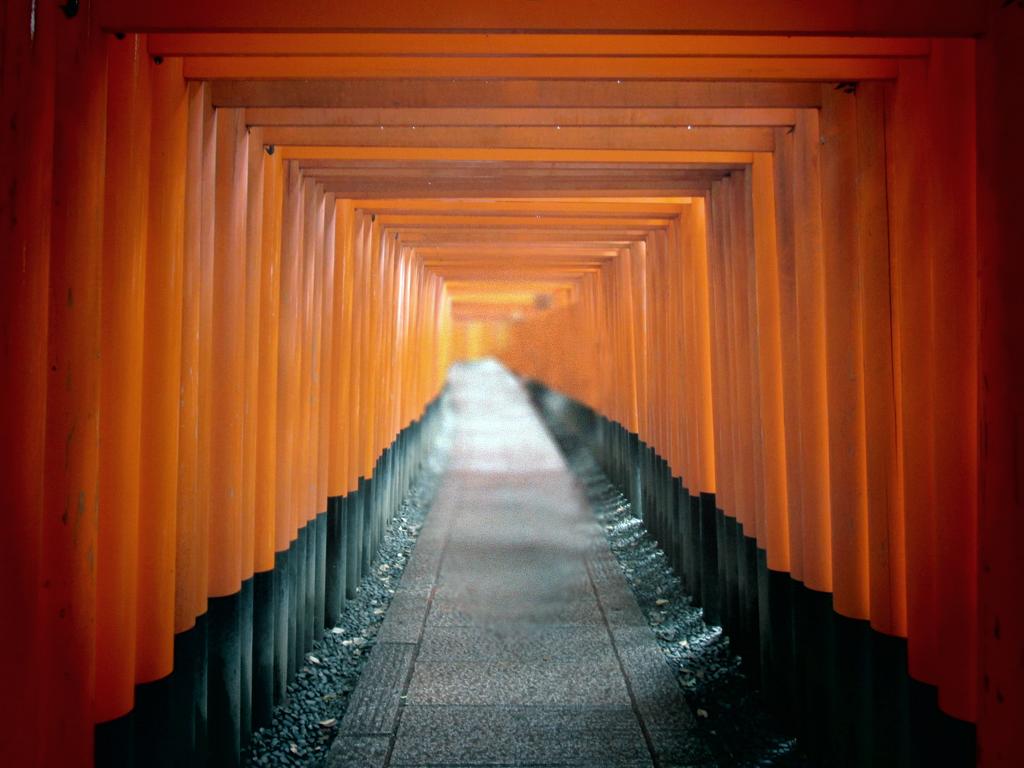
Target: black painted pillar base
(681, 511)
(851, 696)
(264, 612)
(202, 680)
(728, 598)
(334, 579)
(184, 694)
(890, 702)
(282, 623)
(353, 532)
(224, 689)
(344, 502)
(245, 618)
(312, 626)
(297, 612)
(320, 581)
(816, 652)
(115, 742)
(777, 645)
(154, 720)
(693, 550)
(750, 606)
(710, 589)
(367, 488)
(935, 737)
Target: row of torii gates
(777, 244)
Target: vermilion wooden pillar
(156, 673)
(268, 561)
(28, 67)
(250, 427)
(785, 234)
(287, 411)
(69, 524)
(225, 411)
(126, 192)
(842, 223)
(1000, 111)
(190, 527)
(774, 587)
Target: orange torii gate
(771, 250)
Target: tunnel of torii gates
(773, 247)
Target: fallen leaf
(702, 713)
(314, 660)
(661, 601)
(329, 722)
(294, 748)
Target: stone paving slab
(446, 612)
(359, 752)
(513, 638)
(549, 643)
(506, 735)
(374, 704)
(403, 623)
(581, 682)
(680, 748)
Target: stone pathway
(513, 639)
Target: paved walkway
(513, 639)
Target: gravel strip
(732, 720)
(305, 726)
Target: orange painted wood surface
(776, 245)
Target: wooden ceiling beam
(697, 158)
(779, 17)
(528, 44)
(449, 207)
(682, 138)
(428, 191)
(400, 174)
(562, 94)
(497, 254)
(534, 269)
(742, 68)
(487, 167)
(520, 117)
(422, 236)
(518, 222)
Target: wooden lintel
(842, 17)
(412, 92)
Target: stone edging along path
(732, 722)
(304, 727)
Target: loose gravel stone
(304, 726)
(732, 720)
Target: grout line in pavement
(622, 669)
